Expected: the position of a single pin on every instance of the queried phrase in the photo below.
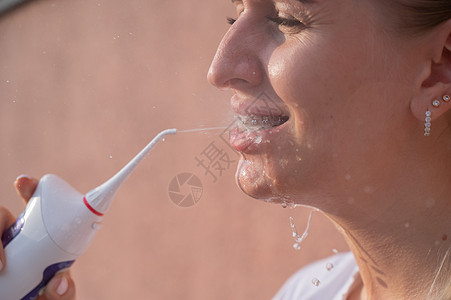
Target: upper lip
(251, 107)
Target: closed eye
(231, 21)
(287, 22)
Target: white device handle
(54, 229)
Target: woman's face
(315, 83)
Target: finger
(61, 287)
(6, 220)
(25, 186)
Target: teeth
(262, 121)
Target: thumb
(60, 287)
(25, 186)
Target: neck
(402, 245)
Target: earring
(446, 98)
(436, 103)
(427, 123)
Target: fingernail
(59, 284)
(23, 176)
(63, 286)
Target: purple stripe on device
(13, 231)
(48, 273)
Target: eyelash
(286, 22)
(278, 20)
(231, 20)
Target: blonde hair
(414, 17)
(441, 285)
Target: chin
(254, 179)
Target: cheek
(301, 75)
(302, 82)
(326, 66)
(322, 85)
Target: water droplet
(315, 281)
(283, 163)
(7, 81)
(111, 156)
(296, 246)
(329, 266)
(96, 225)
(163, 139)
(368, 189)
(297, 238)
(335, 251)
(284, 204)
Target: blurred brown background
(84, 85)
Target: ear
(435, 79)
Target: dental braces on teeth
(262, 121)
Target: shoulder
(333, 276)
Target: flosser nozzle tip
(100, 198)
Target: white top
(335, 278)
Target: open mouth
(253, 122)
(254, 130)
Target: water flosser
(57, 226)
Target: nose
(237, 60)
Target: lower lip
(242, 140)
